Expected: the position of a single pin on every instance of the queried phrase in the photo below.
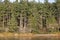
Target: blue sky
(36, 0)
(51, 1)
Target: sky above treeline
(36, 1)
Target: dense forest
(29, 17)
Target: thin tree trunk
(6, 29)
(44, 23)
(58, 24)
(3, 21)
(25, 24)
(21, 23)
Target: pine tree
(16, 1)
(58, 12)
(6, 1)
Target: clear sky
(48, 0)
(36, 0)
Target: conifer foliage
(29, 17)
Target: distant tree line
(29, 17)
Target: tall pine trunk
(3, 21)
(25, 24)
(21, 24)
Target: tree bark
(3, 21)
(25, 24)
(21, 24)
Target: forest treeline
(30, 17)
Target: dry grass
(25, 35)
(16, 35)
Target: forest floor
(28, 35)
